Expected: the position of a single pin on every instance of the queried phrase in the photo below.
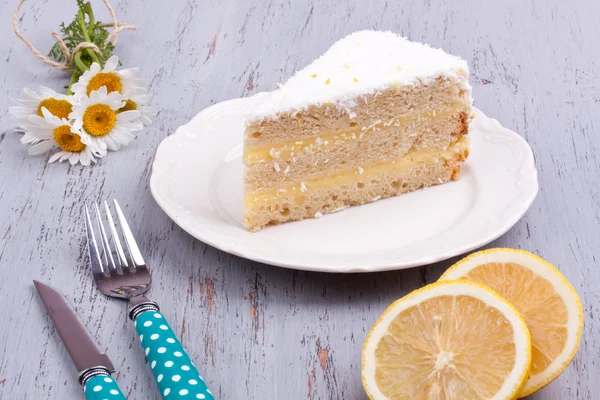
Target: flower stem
(80, 64)
(73, 79)
(86, 35)
(90, 13)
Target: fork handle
(102, 387)
(173, 370)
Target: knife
(94, 366)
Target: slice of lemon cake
(376, 116)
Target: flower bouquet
(103, 107)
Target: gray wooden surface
(261, 332)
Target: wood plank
(257, 331)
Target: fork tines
(110, 257)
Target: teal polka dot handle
(175, 374)
(102, 388)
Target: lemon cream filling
(299, 189)
(288, 150)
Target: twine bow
(112, 38)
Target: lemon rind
(572, 299)
(509, 311)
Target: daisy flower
(32, 104)
(121, 81)
(138, 100)
(99, 116)
(49, 131)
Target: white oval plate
(197, 180)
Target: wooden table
(256, 331)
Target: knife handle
(102, 387)
(173, 370)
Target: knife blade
(81, 346)
(93, 365)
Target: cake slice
(376, 116)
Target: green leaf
(72, 35)
(83, 28)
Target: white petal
(41, 122)
(123, 136)
(112, 144)
(77, 85)
(83, 136)
(138, 97)
(136, 91)
(111, 64)
(41, 133)
(100, 145)
(95, 95)
(148, 111)
(97, 152)
(95, 68)
(84, 158)
(87, 75)
(23, 124)
(53, 119)
(28, 138)
(92, 158)
(142, 99)
(77, 123)
(129, 73)
(98, 96)
(47, 114)
(96, 146)
(115, 100)
(19, 111)
(79, 88)
(73, 158)
(145, 120)
(30, 94)
(47, 93)
(131, 81)
(55, 157)
(75, 114)
(41, 148)
(132, 126)
(84, 102)
(74, 100)
(126, 116)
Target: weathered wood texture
(261, 332)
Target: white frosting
(362, 63)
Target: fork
(117, 275)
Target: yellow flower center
(129, 106)
(108, 79)
(59, 108)
(99, 119)
(68, 140)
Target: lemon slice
(547, 301)
(454, 340)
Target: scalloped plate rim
(213, 240)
